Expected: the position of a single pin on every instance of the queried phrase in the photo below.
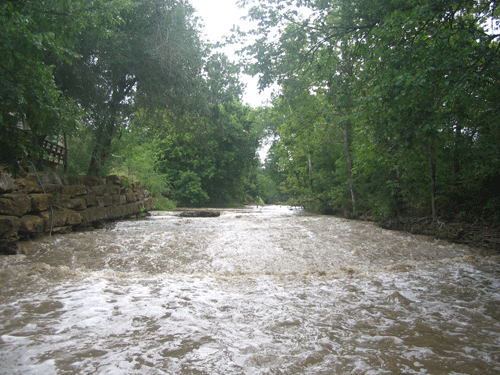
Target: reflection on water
(256, 291)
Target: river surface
(255, 291)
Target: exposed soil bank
(478, 235)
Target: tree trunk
(65, 157)
(349, 168)
(310, 171)
(102, 148)
(457, 149)
(432, 169)
(108, 125)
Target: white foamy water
(255, 291)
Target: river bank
(49, 203)
(478, 235)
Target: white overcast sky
(219, 17)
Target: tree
(152, 59)
(304, 59)
(136, 154)
(198, 155)
(409, 85)
(34, 37)
(209, 159)
(437, 64)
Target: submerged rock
(8, 247)
(199, 214)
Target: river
(268, 290)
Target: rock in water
(199, 214)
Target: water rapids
(268, 290)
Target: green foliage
(387, 108)
(197, 158)
(152, 59)
(210, 160)
(189, 191)
(80, 150)
(135, 92)
(136, 155)
(34, 37)
(164, 204)
(138, 163)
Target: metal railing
(56, 153)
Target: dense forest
(133, 89)
(385, 108)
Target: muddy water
(255, 291)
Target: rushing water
(255, 291)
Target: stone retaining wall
(67, 204)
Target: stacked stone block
(61, 204)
